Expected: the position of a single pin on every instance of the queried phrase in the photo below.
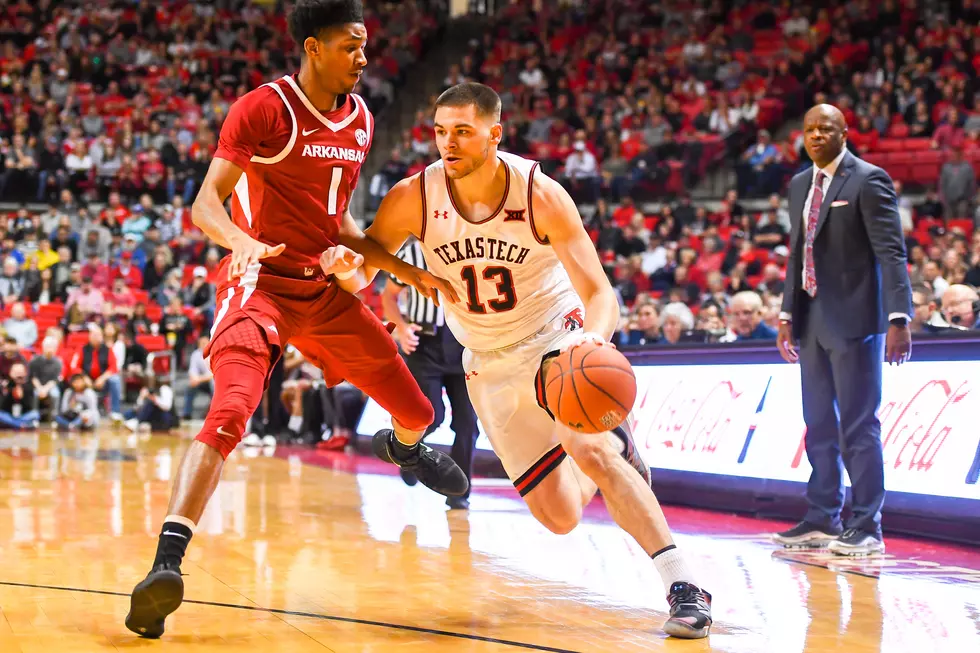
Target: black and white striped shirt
(418, 309)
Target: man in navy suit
(848, 301)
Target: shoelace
(689, 596)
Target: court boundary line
(314, 615)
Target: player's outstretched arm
(209, 214)
(393, 224)
(398, 218)
(558, 219)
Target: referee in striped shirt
(435, 359)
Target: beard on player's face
(467, 165)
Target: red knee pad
(241, 370)
(400, 395)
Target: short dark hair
(484, 98)
(922, 289)
(310, 17)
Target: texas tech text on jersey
(481, 247)
(509, 279)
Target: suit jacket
(858, 252)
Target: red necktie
(810, 276)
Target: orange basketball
(590, 388)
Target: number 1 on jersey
(336, 175)
(506, 294)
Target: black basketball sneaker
(434, 469)
(158, 595)
(630, 452)
(690, 612)
(807, 536)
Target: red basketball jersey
(300, 169)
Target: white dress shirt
(829, 171)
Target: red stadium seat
(890, 145)
(188, 275)
(916, 144)
(898, 130)
(76, 340)
(55, 310)
(43, 324)
(153, 312)
(961, 224)
(152, 343)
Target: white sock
(672, 567)
(177, 519)
(295, 423)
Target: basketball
(590, 388)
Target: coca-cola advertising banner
(747, 420)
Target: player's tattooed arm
(557, 218)
(209, 214)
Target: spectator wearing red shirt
(865, 137)
(710, 259)
(623, 215)
(97, 271)
(116, 208)
(96, 362)
(121, 298)
(155, 177)
(949, 135)
(129, 273)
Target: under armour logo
(442, 214)
(574, 320)
(514, 216)
(470, 374)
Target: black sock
(174, 539)
(403, 452)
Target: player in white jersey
(512, 243)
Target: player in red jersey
(289, 154)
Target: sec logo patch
(361, 137)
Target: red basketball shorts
(259, 313)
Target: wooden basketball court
(297, 557)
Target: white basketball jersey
(509, 280)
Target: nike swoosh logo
(221, 431)
(176, 534)
(307, 132)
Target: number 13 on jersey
(506, 297)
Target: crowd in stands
(628, 98)
(109, 114)
(100, 97)
(617, 99)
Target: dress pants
(841, 380)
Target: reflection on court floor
(296, 557)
